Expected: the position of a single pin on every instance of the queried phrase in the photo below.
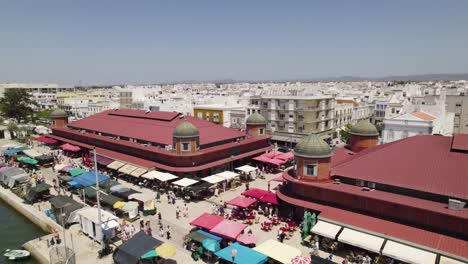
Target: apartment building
(292, 117)
(45, 88)
(343, 112)
(457, 104)
(220, 114)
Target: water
(15, 230)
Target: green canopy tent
(36, 192)
(76, 171)
(27, 160)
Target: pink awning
(269, 198)
(285, 156)
(70, 147)
(277, 162)
(247, 239)
(261, 158)
(46, 140)
(207, 221)
(255, 193)
(242, 202)
(228, 229)
(273, 154)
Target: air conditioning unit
(456, 205)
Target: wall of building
(212, 115)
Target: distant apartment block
(226, 115)
(292, 117)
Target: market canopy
(278, 251)
(138, 172)
(14, 150)
(270, 197)
(228, 229)
(326, 229)
(185, 182)
(164, 176)
(446, 260)
(76, 171)
(28, 160)
(115, 165)
(207, 221)
(247, 239)
(285, 156)
(142, 197)
(46, 140)
(132, 250)
(127, 169)
(227, 175)
(407, 254)
(103, 160)
(242, 202)
(70, 147)
(361, 240)
(255, 193)
(244, 255)
(246, 168)
(89, 178)
(32, 153)
(213, 179)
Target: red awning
(207, 221)
(242, 202)
(69, 147)
(46, 140)
(285, 156)
(228, 229)
(255, 193)
(269, 198)
(273, 154)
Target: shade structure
(301, 260)
(407, 253)
(89, 178)
(285, 156)
(279, 179)
(242, 202)
(166, 250)
(127, 169)
(138, 172)
(261, 158)
(185, 182)
(119, 205)
(213, 179)
(150, 254)
(211, 245)
(246, 168)
(115, 188)
(28, 160)
(131, 208)
(270, 198)
(103, 160)
(244, 255)
(201, 235)
(115, 165)
(326, 229)
(70, 147)
(32, 153)
(247, 239)
(446, 260)
(76, 171)
(273, 154)
(277, 162)
(209, 235)
(14, 150)
(59, 167)
(66, 168)
(361, 240)
(278, 251)
(228, 229)
(158, 175)
(142, 197)
(46, 140)
(255, 193)
(207, 221)
(227, 175)
(137, 246)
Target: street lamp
(233, 254)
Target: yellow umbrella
(166, 250)
(119, 205)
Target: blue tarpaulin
(244, 255)
(89, 178)
(72, 183)
(14, 150)
(217, 238)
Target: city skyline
(106, 43)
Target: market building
(166, 141)
(405, 199)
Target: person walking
(168, 232)
(159, 218)
(158, 197)
(185, 210)
(149, 231)
(177, 212)
(161, 231)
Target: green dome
(185, 130)
(256, 119)
(312, 146)
(58, 113)
(364, 128)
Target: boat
(17, 254)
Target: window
(310, 170)
(185, 146)
(261, 131)
(200, 115)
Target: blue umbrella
(211, 245)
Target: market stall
(89, 223)
(278, 251)
(133, 249)
(207, 221)
(228, 229)
(239, 254)
(326, 229)
(115, 165)
(147, 200)
(408, 253)
(242, 202)
(361, 240)
(185, 182)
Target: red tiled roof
(423, 116)
(155, 115)
(460, 142)
(380, 227)
(152, 130)
(423, 163)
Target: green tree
(344, 134)
(17, 104)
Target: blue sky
(104, 41)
